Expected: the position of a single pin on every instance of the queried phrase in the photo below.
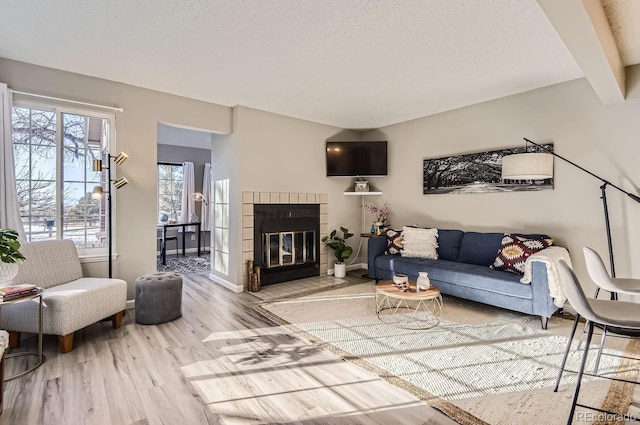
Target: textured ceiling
(353, 64)
(624, 19)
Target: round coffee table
(410, 309)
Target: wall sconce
(98, 192)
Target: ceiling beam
(584, 29)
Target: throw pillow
(515, 250)
(395, 242)
(420, 243)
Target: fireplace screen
(289, 248)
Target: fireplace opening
(286, 241)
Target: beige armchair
(70, 301)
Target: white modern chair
(619, 315)
(600, 276)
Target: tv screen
(349, 159)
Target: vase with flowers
(381, 216)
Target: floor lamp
(98, 192)
(539, 165)
(199, 197)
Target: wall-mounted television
(350, 159)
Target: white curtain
(9, 210)
(206, 193)
(188, 187)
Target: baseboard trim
(131, 304)
(225, 283)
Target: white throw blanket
(550, 256)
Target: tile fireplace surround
(249, 199)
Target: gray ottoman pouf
(158, 298)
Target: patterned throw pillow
(515, 250)
(395, 242)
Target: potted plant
(342, 250)
(10, 255)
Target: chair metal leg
(566, 352)
(604, 335)
(584, 330)
(583, 362)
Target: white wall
(601, 138)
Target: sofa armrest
(375, 247)
(542, 302)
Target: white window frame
(169, 164)
(86, 254)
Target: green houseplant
(10, 256)
(342, 251)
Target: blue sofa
(462, 270)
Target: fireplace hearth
(286, 241)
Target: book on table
(16, 291)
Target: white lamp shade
(527, 166)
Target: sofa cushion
(386, 262)
(465, 275)
(515, 250)
(69, 307)
(479, 248)
(449, 244)
(395, 242)
(420, 243)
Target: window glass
(170, 177)
(54, 149)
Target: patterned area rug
(186, 264)
(501, 372)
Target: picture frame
(475, 173)
(362, 186)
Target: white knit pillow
(420, 243)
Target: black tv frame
(357, 158)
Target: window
(170, 177)
(221, 226)
(53, 151)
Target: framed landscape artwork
(476, 173)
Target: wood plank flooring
(220, 363)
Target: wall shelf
(363, 193)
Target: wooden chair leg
(116, 319)
(14, 339)
(65, 342)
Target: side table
(38, 353)
(370, 235)
(409, 310)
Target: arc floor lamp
(539, 165)
(99, 191)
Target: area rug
(501, 371)
(186, 264)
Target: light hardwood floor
(220, 363)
